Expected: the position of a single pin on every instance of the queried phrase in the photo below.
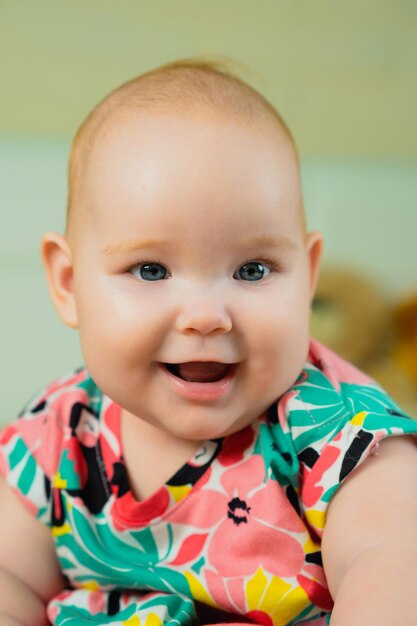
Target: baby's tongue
(197, 371)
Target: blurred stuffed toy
(351, 316)
(405, 324)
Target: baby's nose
(204, 318)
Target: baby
(190, 472)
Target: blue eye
(149, 271)
(252, 271)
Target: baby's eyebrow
(136, 244)
(268, 241)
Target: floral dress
(233, 536)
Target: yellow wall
(344, 74)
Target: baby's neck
(151, 455)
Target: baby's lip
(195, 384)
(198, 360)
(200, 371)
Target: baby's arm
(370, 540)
(29, 569)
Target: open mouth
(199, 371)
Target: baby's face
(193, 250)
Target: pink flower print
(256, 527)
(335, 368)
(87, 429)
(96, 602)
(250, 531)
(46, 432)
(73, 380)
(250, 525)
(312, 490)
(282, 410)
(190, 549)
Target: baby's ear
(57, 261)
(314, 245)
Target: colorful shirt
(234, 535)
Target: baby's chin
(205, 432)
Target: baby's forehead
(171, 145)
(218, 96)
(185, 89)
(144, 129)
(212, 159)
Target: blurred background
(343, 75)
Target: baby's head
(186, 246)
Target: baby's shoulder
(331, 396)
(328, 423)
(58, 397)
(48, 419)
(329, 387)
(33, 445)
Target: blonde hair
(207, 84)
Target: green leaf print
(91, 550)
(27, 476)
(158, 609)
(372, 400)
(18, 453)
